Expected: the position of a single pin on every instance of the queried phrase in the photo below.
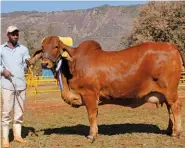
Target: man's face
(13, 36)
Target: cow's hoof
(176, 134)
(91, 138)
(169, 132)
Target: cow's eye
(56, 47)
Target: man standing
(13, 63)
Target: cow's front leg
(91, 103)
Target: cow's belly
(133, 91)
(154, 98)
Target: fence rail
(36, 81)
(182, 80)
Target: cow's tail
(182, 58)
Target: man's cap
(11, 29)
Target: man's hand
(7, 74)
(28, 62)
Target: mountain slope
(105, 24)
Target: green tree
(159, 21)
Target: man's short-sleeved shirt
(14, 61)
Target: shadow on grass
(25, 132)
(106, 129)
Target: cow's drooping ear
(65, 51)
(36, 56)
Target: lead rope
(16, 95)
(16, 91)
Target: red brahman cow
(148, 72)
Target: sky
(48, 6)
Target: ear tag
(59, 65)
(64, 54)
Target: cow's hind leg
(174, 110)
(91, 104)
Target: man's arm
(1, 68)
(1, 62)
(36, 56)
(4, 72)
(26, 58)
